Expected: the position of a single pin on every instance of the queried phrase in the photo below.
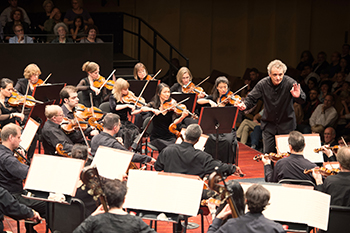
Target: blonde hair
(137, 67)
(47, 2)
(278, 65)
(90, 67)
(51, 111)
(180, 74)
(30, 70)
(119, 85)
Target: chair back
(339, 217)
(105, 107)
(65, 218)
(298, 182)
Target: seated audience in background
(310, 105)
(339, 81)
(91, 32)
(345, 52)
(17, 18)
(19, 37)
(325, 114)
(325, 89)
(6, 14)
(77, 10)
(254, 78)
(293, 166)
(311, 83)
(78, 28)
(257, 198)
(49, 24)
(307, 73)
(43, 16)
(344, 66)
(306, 58)
(246, 126)
(320, 63)
(338, 185)
(116, 219)
(61, 31)
(343, 127)
(334, 66)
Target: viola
(336, 147)
(101, 81)
(271, 156)
(17, 99)
(60, 151)
(230, 98)
(132, 99)
(171, 104)
(85, 113)
(324, 171)
(172, 129)
(92, 121)
(70, 125)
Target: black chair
(148, 145)
(339, 217)
(105, 107)
(298, 182)
(65, 218)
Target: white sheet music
(297, 205)
(312, 141)
(29, 133)
(112, 163)
(54, 174)
(165, 192)
(199, 145)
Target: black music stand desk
(136, 86)
(48, 92)
(190, 103)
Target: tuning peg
(91, 192)
(83, 187)
(95, 198)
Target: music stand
(218, 120)
(137, 85)
(190, 103)
(48, 92)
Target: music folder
(53, 178)
(199, 145)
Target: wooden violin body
(38, 83)
(17, 99)
(171, 104)
(324, 171)
(102, 81)
(271, 156)
(132, 99)
(191, 88)
(69, 126)
(60, 151)
(172, 129)
(85, 113)
(231, 99)
(336, 147)
(92, 122)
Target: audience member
(61, 31)
(320, 63)
(343, 126)
(257, 198)
(311, 103)
(77, 10)
(339, 81)
(254, 78)
(311, 83)
(19, 36)
(17, 18)
(325, 114)
(345, 52)
(246, 126)
(91, 32)
(55, 18)
(43, 16)
(337, 186)
(6, 14)
(307, 73)
(306, 58)
(344, 66)
(325, 89)
(78, 28)
(291, 167)
(334, 66)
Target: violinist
(86, 85)
(329, 141)
(226, 141)
(257, 198)
(111, 126)
(140, 72)
(7, 114)
(161, 136)
(31, 75)
(12, 172)
(338, 185)
(52, 133)
(293, 166)
(70, 100)
(128, 131)
(184, 79)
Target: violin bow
(203, 81)
(107, 79)
(144, 87)
(240, 89)
(47, 78)
(184, 100)
(25, 99)
(81, 131)
(342, 138)
(92, 105)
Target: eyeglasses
(59, 115)
(20, 30)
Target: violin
(211, 200)
(171, 104)
(271, 156)
(68, 126)
(38, 83)
(230, 98)
(132, 99)
(336, 147)
(22, 159)
(101, 81)
(92, 121)
(324, 171)
(85, 113)
(17, 99)
(172, 129)
(60, 151)
(148, 77)
(191, 88)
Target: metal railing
(153, 44)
